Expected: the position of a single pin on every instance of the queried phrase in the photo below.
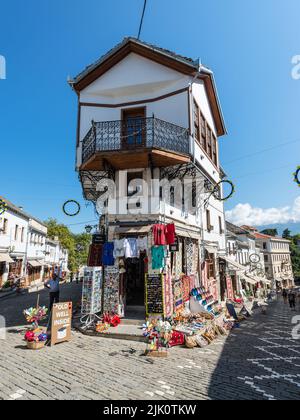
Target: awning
(266, 281)
(238, 266)
(6, 258)
(249, 280)
(187, 234)
(211, 249)
(35, 263)
(137, 230)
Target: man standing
(292, 300)
(284, 295)
(53, 286)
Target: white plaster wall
(8, 240)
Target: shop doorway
(135, 287)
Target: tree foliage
(76, 244)
(295, 253)
(270, 232)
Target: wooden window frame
(133, 112)
(207, 138)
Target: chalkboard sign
(98, 239)
(154, 294)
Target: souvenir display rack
(91, 295)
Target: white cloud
(245, 214)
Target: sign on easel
(61, 323)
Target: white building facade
(277, 258)
(24, 247)
(149, 120)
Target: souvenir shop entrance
(135, 281)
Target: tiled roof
(185, 60)
(20, 211)
(236, 229)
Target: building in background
(14, 224)
(277, 258)
(24, 248)
(245, 273)
(146, 115)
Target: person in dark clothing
(284, 295)
(53, 286)
(292, 300)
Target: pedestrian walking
(53, 286)
(285, 296)
(292, 300)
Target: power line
(142, 19)
(261, 151)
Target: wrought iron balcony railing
(133, 134)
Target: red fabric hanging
(170, 234)
(159, 234)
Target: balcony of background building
(135, 143)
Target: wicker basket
(36, 346)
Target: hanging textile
(178, 298)
(168, 295)
(131, 248)
(189, 249)
(108, 254)
(195, 268)
(178, 262)
(186, 288)
(158, 257)
(170, 234)
(159, 234)
(142, 244)
(119, 250)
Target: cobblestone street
(258, 361)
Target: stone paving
(260, 360)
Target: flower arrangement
(159, 333)
(35, 315)
(35, 337)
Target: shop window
(16, 232)
(172, 196)
(196, 121)
(209, 142)
(5, 226)
(208, 221)
(214, 150)
(203, 132)
(221, 230)
(133, 176)
(194, 194)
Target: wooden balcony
(135, 143)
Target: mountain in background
(293, 227)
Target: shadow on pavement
(258, 359)
(12, 307)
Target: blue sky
(248, 44)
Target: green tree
(270, 232)
(286, 234)
(76, 244)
